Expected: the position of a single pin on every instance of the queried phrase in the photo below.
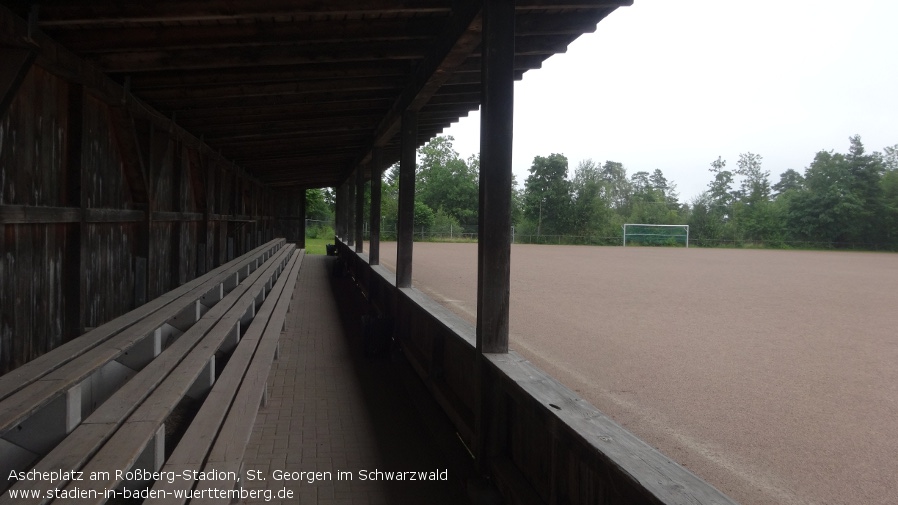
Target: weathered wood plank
(14, 66)
(494, 250)
(29, 214)
(405, 231)
(157, 389)
(72, 453)
(635, 470)
(234, 400)
(19, 378)
(193, 10)
(95, 430)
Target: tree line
(840, 200)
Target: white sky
(675, 84)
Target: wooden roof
(299, 92)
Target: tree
(424, 216)
(617, 186)
(890, 207)
(649, 199)
(704, 227)
(843, 199)
(865, 174)
(720, 190)
(547, 194)
(826, 209)
(389, 201)
(590, 213)
(517, 202)
(890, 158)
(317, 207)
(755, 181)
(753, 210)
(790, 180)
(445, 181)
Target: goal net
(656, 234)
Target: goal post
(656, 234)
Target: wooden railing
(549, 445)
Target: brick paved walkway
(332, 410)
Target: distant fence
(468, 233)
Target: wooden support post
(204, 263)
(177, 226)
(338, 202)
(135, 146)
(146, 230)
(221, 235)
(143, 262)
(376, 183)
(14, 66)
(301, 207)
(496, 134)
(359, 208)
(350, 211)
(345, 216)
(76, 196)
(494, 228)
(406, 228)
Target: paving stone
(330, 409)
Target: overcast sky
(675, 84)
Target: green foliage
(590, 212)
(841, 200)
(547, 194)
(443, 222)
(445, 181)
(317, 245)
(790, 180)
(319, 205)
(320, 231)
(424, 216)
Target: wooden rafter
(292, 91)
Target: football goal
(656, 234)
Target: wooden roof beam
(256, 115)
(189, 95)
(57, 13)
(240, 104)
(299, 130)
(180, 37)
(271, 74)
(522, 5)
(275, 126)
(147, 61)
(458, 41)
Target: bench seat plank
(230, 445)
(191, 453)
(20, 377)
(124, 401)
(70, 454)
(129, 441)
(23, 403)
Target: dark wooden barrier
(550, 445)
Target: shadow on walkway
(334, 411)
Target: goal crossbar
(684, 227)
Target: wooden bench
(82, 380)
(185, 368)
(138, 443)
(218, 436)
